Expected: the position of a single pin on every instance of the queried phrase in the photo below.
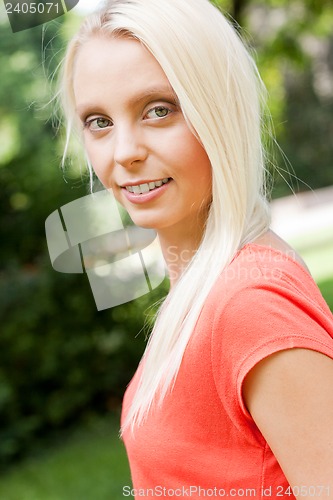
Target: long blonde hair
(221, 96)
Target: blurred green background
(64, 366)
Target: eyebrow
(154, 92)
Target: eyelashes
(161, 112)
(101, 123)
(98, 123)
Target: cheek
(97, 157)
(198, 162)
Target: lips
(147, 186)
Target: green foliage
(293, 42)
(59, 357)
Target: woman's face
(136, 136)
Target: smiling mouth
(150, 186)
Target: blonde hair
(221, 95)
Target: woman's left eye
(158, 112)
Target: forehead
(115, 66)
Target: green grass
(89, 464)
(326, 288)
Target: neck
(178, 250)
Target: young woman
(234, 395)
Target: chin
(143, 222)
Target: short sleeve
(262, 317)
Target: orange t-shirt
(202, 442)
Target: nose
(129, 146)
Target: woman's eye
(98, 123)
(158, 112)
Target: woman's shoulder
(271, 240)
(265, 258)
(266, 300)
(266, 269)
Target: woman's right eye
(99, 123)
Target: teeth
(145, 188)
